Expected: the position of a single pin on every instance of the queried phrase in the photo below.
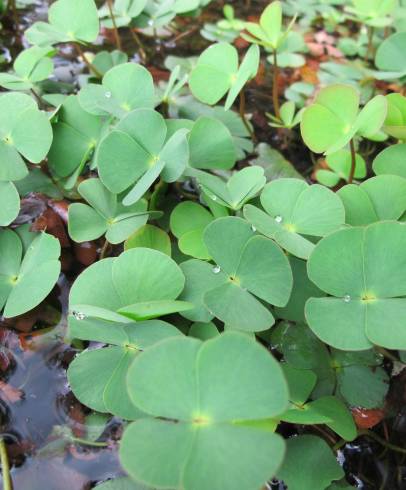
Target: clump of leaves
(219, 419)
(363, 295)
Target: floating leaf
(98, 376)
(221, 422)
(391, 161)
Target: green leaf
(362, 268)
(391, 161)
(24, 132)
(26, 281)
(124, 87)
(188, 222)
(246, 266)
(135, 153)
(333, 119)
(69, 20)
(76, 134)
(274, 164)
(241, 187)
(217, 73)
(371, 201)
(214, 417)
(293, 208)
(149, 236)
(139, 275)
(340, 163)
(104, 215)
(31, 66)
(211, 145)
(298, 467)
(9, 203)
(391, 56)
(395, 122)
(98, 377)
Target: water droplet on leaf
(253, 228)
(107, 95)
(214, 198)
(347, 298)
(216, 269)
(278, 219)
(79, 315)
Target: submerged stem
(89, 65)
(113, 20)
(353, 162)
(243, 116)
(381, 440)
(275, 88)
(85, 442)
(5, 466)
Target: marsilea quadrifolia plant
(235, 298)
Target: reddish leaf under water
(367, 418)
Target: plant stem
(387, 354)
(353, 162)
(85, 442)
(275, 88)
(372, 435)
(11, 6)
(113, 20)
(243, 117)
(370, 48)
(139, 44)
(89, 65)
(103, 251)
(5, 466)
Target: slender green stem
(381, 440)
(243, 116)
(5, 466)
(89, 65)
(138, 41)
(85, 442)
(275, 88)
(370, 48)
(387, 354)
(353, 162)
(104, 249)
(113, 20)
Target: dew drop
(214, 198)
(216, 269)
(278, 219)
(347, 298)
(107, 95)
(78, 315)
(253, 228)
